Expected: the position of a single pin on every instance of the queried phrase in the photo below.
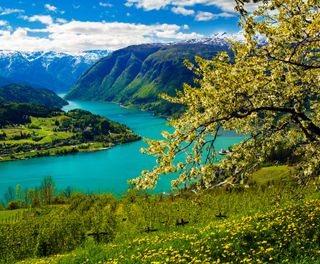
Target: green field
(275, 237)
(40, 134)
(40, 130)
(271, 174)
(61, 135)
(8, 216)
(271, 221)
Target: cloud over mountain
(75, 36)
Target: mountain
(53, 70)
(18, 93)
(136, 75)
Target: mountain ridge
(19, 93)
(136, 75)
(56, 71)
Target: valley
(138, 75)
(153, 132)
(102, 171)
(56, 71)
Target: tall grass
(224, 223)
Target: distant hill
(18, 93)
(138, 74)
(30, 130)
(13, 114)
(53, 70)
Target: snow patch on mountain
(223, 39)
(49, 69)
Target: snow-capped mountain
(53, 70)
(218, 39)
(137, 74)
(60, 71)
(222, 39)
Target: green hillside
(273, 222)
(13, 114)
(138, 74)
(20, 93)
(28, 130)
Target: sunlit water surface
(102, 171)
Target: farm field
(269, 222)
(8, 216)
(61, 134)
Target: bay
(102, 171)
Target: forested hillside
(30, 130)
(138, 74)
(25, 94)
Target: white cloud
(20, 33)
(47, 20)
(61, 20)
(50, 8)
(105, 4)
(224, 5)
(206, 16)
(182, 11)
(3, 23)
(148, 4)
(225, 15)
(76, 36)
(9, 11)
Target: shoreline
(72, 151)
(125, 106)
(55, 155)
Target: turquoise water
(102, 171)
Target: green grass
(42, 131)
(11, 216)
(269, 174)
(278, 222)
(85, 147)
(275, 237)
(39, 127)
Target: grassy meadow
(11, 216)
(41, 134)
(61, 134)
(269, 221)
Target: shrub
(13, 205)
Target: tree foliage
(20, 113)
(268, 91)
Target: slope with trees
(137, 74)
(12, 114)
(29, 130)
(20, 93)
(270, 93)
(243, 225)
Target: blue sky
(76, 25)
